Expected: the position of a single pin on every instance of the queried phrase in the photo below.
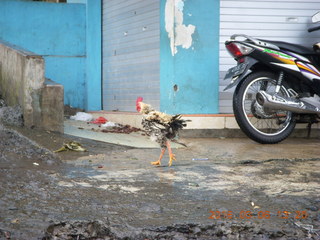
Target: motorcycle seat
(302, 50)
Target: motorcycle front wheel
(262, 125)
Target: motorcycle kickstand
(309, 129)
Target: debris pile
(11, 116)
(72, 146)
(82, 116)
(121, 129)
(99, 120)
(103, 123)
(219, 230)
(14, 145)
(77, 230)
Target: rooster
(160, 127)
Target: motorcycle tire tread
(241, 119)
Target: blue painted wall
(94, 56)
(56, 31)
(194, 70)
(76, 1)
(69, 38)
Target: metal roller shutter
(131, 53)
(285, 20)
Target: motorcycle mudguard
(237, 73)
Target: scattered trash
(7, 235)
(254, 206)
(36, 164)
(313, 208)
(73, 146)
(121, 129)
(15, 221)
(200, 159)
(100, 120)
(13, 208)
(2, 103)
(193, 184)
(82, 116)
(109, 124)
(308, 227)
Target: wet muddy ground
(234, 189)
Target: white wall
(285, 20)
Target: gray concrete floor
(226, 188)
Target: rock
(312, 208)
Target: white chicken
(161, 127)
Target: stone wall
(22, 82)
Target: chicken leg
(158, 163)
(172, 157)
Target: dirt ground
(217, 189)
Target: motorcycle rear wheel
(260, 124)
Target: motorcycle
(277, 85)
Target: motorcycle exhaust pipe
(276, 102)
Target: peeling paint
(178, 33)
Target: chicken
(160, 127)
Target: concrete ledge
(237, 133)
(52, 105)
(203, 125)
(22, 82)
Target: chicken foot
(172, 157)
(158, 163)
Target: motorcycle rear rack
(254, 41)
